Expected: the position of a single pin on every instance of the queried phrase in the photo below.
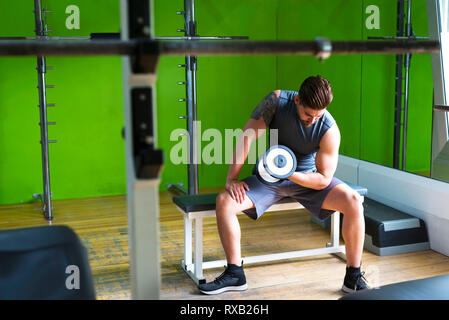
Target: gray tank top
(303, 141)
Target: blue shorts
(263, 196)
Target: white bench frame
(194, 268)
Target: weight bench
(196, 207)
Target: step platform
(389, 231)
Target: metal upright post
(191, 67)
(143, 160)
(190, 34)
(41, 31)
(398, 91)
(407, 74)
(191, 113)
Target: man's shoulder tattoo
(266, 108)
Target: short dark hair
(315, 93)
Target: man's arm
(254, 128)
(326, 161)
(267, 108)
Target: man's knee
(223, 201)
(353, 202)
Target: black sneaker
(354, 281)
(232, 279)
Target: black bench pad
(206, 201)
(435, 288)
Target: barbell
(320, 47)
(145, 52)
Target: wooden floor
(101, 223)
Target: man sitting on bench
(305, 126)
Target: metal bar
(441, 108)
(190, 123)
(191, 107)
(130, 47)
(296, 47)
(51, 38)
(398, 112)
(187, 241)
(202, 38)
(198, 251)
(398, 89)
(143, 160)
(278, 256)
(406, 92)
(177, 187)
(41, 70)
(335, 230)
(195, 126)
(399, 38)
(17, 38)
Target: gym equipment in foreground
(434, 288)
(44, 263)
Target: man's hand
(237, 189)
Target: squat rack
(41, 31)
(191, 66)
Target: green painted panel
(339, 20)
(378, 94)
(88, 159)
(378, 90)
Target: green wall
(343, 22)
(88, 159)
(378, 86)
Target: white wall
(422, 197)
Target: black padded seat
(435, 288)
(206, 201)
(34, 262)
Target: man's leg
(233, 278)
(347, 201)
(228, 225)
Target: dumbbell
(275, 165)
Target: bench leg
(194, 269)
(199, 250)
(187, 243)
(335, 235)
